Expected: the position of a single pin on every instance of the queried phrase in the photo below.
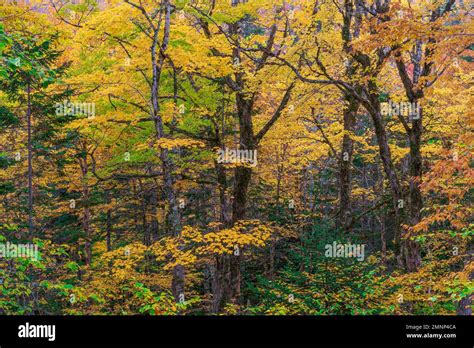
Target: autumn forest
(236, 157)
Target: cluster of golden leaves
(194, 245)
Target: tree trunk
(108, 227)
(386, 158)
(153, 227)
(86, 217)
(352, 14)
(221, 287)
(345, 175)
(411, 248)
(411, 257)
(173, 218)
(242, 179)
(464, 306)
(30, 165)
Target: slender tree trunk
(86, 217)
(143, 209)
(386, 158)
(109, 230)
(173, 218)
(108, 227)
(279, 175)
(30, 165)
(385, 155)
(153, 232)
(345, 173)
(87, 230)
(225, 213)
(221, 277)
(352, 17)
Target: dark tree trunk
(108, 227)
(345, 173)
(86, 217)
(386, 158)
(411, 257)
(153, 227)
(109, 230)
(229, 268)
(225, 213)
(411, 249)
(243, 174)
(464, 306)
(242, 179)
(30, 165)
(173, 218)
(352, 16)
